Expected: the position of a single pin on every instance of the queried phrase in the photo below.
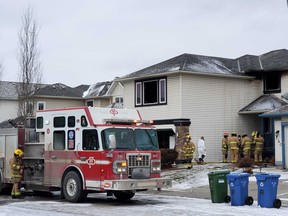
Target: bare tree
(30, 72)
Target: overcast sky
(84, 42)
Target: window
(71, 121)
(39, 122)
(118, 99)
(41, 105)
(59, 122)
(151, 92)
(59, 140)
(90, 140)
(272, 83)
(83, 121)
(90, 103)
(71, 139)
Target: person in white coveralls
(201, 149)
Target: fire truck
(83, 150)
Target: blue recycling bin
(267, 190)
(238, 184)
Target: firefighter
(259, 144)
(16, 172)
(240, 147)
(246, 145)
(233, 143)
(225, 148)
(188, 150)
(253, 134)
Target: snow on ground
(149, 204)
(184, 179)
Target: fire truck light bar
(127, 121)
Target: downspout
(283, 146)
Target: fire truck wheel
(72, 188)
(124, 195)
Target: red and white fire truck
(85, 149)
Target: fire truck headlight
(155, 166)
(120, 167)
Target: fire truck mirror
(112, 141)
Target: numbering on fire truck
(85, 149)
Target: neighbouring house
(208, 96)
(8, 100)
(58, 95)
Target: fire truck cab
(88, 149)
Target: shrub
(168, 157)
(245, 162)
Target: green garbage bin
(218, 186)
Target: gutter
(187, 72)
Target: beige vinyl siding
(157, 112)
(52, 103)
(8, 109)
(212, 104)
(284, 84)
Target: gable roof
(274, 60)
(263, 104)
(59, 90)
(82, 87)
(8, 90)
(97, 90)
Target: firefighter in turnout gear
(233, 143)
(259, 144)
(188, 150)
(225, 148)
(253, 134)
(16, 172)
(246, 145)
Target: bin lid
(219, 172)
(263, 176)
(232, 176)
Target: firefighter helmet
(18, 152)
(233, 134)
(244, 134)
(226, 134)
(188, 136)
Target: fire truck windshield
(129, 139)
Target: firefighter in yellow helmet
(233, 143)
(259, 145)
(225, 147)
(246, 145)
(188, 151)
(16, 172)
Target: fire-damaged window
(151, 92)
(59, 140)
(272, 83)
(90, 140)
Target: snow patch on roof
(209, 65)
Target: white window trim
(41, 102)
(164, 91)
(138, 93)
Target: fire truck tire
(72, 188)
(124, 195)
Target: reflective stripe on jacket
(233, 143)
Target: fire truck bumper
(137, 184)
